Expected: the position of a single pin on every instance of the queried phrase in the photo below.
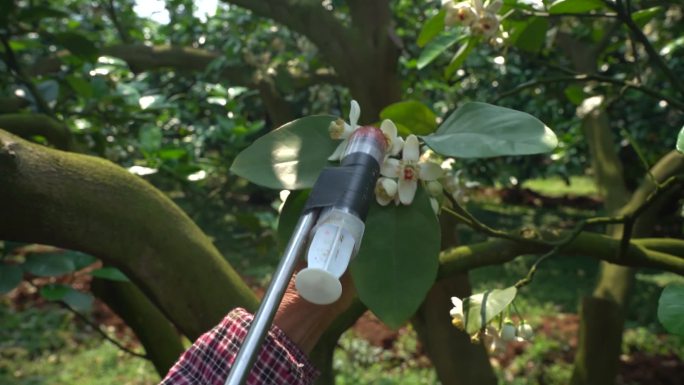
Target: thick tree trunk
(89, 204)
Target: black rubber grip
(348, 187)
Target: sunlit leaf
(397, 263)
(460, 57)
(431, 28)
(481, 130)
(414, 115)
(643, 16)
(671, 309)
(290, 157)
(680, 140)
(438, 45)
(574, 6)
(481, 308)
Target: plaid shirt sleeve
(210, 358)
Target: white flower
(339, 129)
(408, 170)
(434, 188)
(385, 191)
(456, 313)
(394, 142)
(525, 331)
(508, 331)
(459, 13)
(486, 25)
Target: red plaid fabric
(210, 358)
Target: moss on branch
(92, 205)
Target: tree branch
(597, 78)
(76, 201)
(27, 125)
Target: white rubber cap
(318, 286)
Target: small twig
(530, 274)
(639, 35)
(12, 63)
(592, 77)
(97, 328)
(569, 14)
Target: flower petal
(337, 155)
(388, 128)
(407, 190)
(390, 186)
(411, 148)
(354, 114)
(429, 171)
(458, 303)
(397, 145)
(390, 168)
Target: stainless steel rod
(264, 315)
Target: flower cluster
(494, 339)
(481, 19)
(400, 175)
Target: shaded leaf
(80, 86)
(481, 308)
(54, 292)
(77, 44)
(680, 140)
(49, 90)
(290, 157)
(75, 299)
(431, 28)
(438, 45)
(574, 6)
(671, 309)
(481, 130)
(533, 35)
(49, 265)
(289, 215)
(150, 138)
(39, 12)
(416, 116)
(398, 260)
(10, 277)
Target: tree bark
(89, 204)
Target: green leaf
(531, 38)
(440, 44)
(431, 28)
(416, 116)
(481, 130)
(460, 57)
(575, 94)
(39, 12)
(77, 44)
(10, 277)
(150, 138)
(574, 6)
(290, 157)
(671, 309)
(398, 260)
(80, 260)
(680, 141)
(79, 301)
(481, 308)
(54, 292)
(75, 299)
(49, 265)
(645, 15)
(80, 86)
(110, 273)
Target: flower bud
(434, 188)
(508, 331)
(459, 14)
(525, 331)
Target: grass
(554, 187)
(45, 346)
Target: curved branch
(28, 125)
(89, 204)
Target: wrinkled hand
(304, 322)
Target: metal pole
(264, 316)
